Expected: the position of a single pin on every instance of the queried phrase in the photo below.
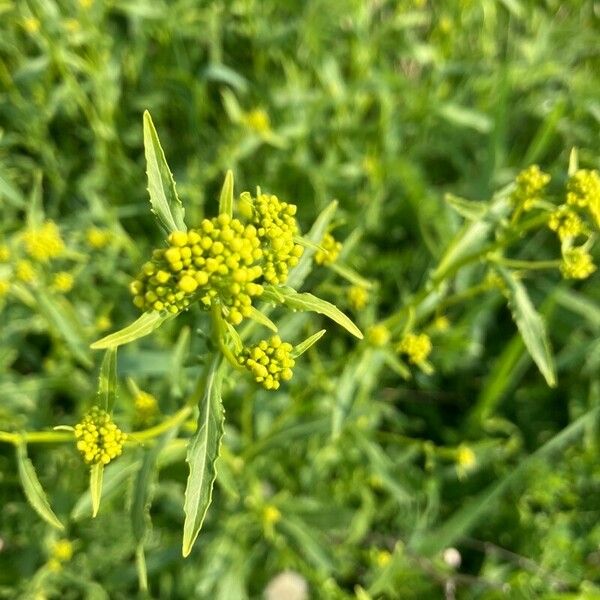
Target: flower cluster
(98, 439)
(223, 262)
(97, 238)
(566, 222)
(583, 189)
(63, 282)
(329, 251)
(576, 264)
(44, 243)
(358, 297)
(528, 187)
(217, 263)
(416, 346)
(378, 335)
(269, 361)
(277, 227)
(146, 406)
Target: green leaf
(530, 325)
(350, 275)
(226, 197)
(469, 209)
(177, 372)
(107, 381)
(259, 317)
(302, 347)
(144, 325)
(202, 455)
(235, 337)
(33, 488)
(165, 203)
(466, 117)
(96, 476)
(308, 302)
(63, 319)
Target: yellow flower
(329, 251)
(31, 24)
(258, 120)
(146, 406)
(565, 222)
(416, 346)
(103, 323)
(4, 253)
(529, 186)
(62, 550)
(44, 243)
(4, 287)
(577, 264)
(383, 558)
(98, 439)
(378, 335)
(358, 297)
(583, 189)
(24, 271)
(97, 238)
(441, 323)
(63, 282)
(269, 361)
(465, 457)
(271, 515)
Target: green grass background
(384, 106)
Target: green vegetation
(327, 320)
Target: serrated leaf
(96, 477)
(203, 451)
(164, 201)
(469, 209)
(531, 326)
(302, 347)
(259, 317)
(107, 380)
(226, 197)
(142, 326)
(308, 302)
(33, 489)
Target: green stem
(220, 332)
(527, 264)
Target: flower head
(63, 282)
(269, 361)
(577, 264)
(529, 184)
(358, 297)
(583, 189)
(24, 271)
(258, 120)
(146, 406)
(378, 335)
(416, 346)
(62, 550)
(98, 439)
(329, 251)
(44, 243)
(97, 238)
(566, 222)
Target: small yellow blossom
(24, 271)
(358, 297)
(269, 361)
(271, 515)
(577, 264)
(97, 238)
(465, 460)
(62, 550)
(31, 24)
(103, 323)
(44, 243)
(528, 187)
(441, 323)
(329, 251)
(63, 282)
(258, 120)
(98, 439)
(146, 406)
(378, 335)
(583, 189)
(4, 253)
(416, 346)
(4, 287)
(383, 558)
(566, 222)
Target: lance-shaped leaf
(308, 302)
(530, 325)
(107, 380)
(33, 488)
(261, 318)
(96, 477)
(164, 201)
(302, 347)
(226, 197)
(469, 209)
(202, 455)
(144, 325)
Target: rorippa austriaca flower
(98, 438)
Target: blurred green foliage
(352, 476)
